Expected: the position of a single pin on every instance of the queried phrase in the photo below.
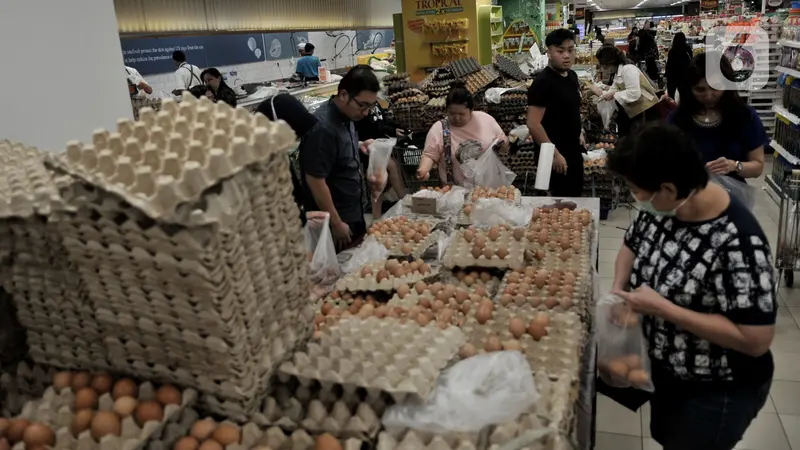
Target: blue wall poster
(369, 40)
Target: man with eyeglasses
(330, 163)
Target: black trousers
(626, 125)
(569, 184)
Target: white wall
(62, 74)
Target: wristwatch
(739, 166)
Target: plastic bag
(606, 109)
(324, 269)
(495, 211)
(621, 347)
(380, 151)
(742, 191)
(369, 251)
(451, 202)
(491, 388)
(487, 171)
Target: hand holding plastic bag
(380, 152)
(606, 109)
(486, 389)
(742, 191)
(324, 269)
(621, 347)
(487, 171)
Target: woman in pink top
(468, 130)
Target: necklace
(708, 119)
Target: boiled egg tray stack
(402, 360)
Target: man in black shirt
(329, 156)
(554, 114)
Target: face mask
(647, 206)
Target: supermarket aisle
(778, 425)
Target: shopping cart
(787, 257)
(407, 153)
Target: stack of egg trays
(465, 66)
(408, 439)
(379, 355)
(489, 76)
(60, 323)
(354, 282)
(21, 383)
(458, 252)
(509, 68)
(343, 414)
(169, 238)
(55, 410)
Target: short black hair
(610, 55)
(557, 37)
(214, 72)
(309, 48)
(179, 56)
(657, 154)
(359, 79)
(652, 24)
(459, 95)
(291, 110)
(199, 90)
(570, 21)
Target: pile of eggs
(536, 328)
(443, 190)
(478, 239)
(550, 288)
(34, 435)
(206, 434)
(557, 219)
(410, 232)
(604, 146)
(627, 368)
(503, 192)
(395, 268)
(474, 277)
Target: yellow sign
(436, 7)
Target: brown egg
(202, 429)
(488, 253)
(38, 434)
(494, 234)
(540, 280)
(85, 398)
(437, 306)
(618, 369)
(487, 303)
(551, 302)
(125, 387)
(493, 344)
(465, 307)
(469, 280)
(516, 326)
(227, 434)
(536, 330)
(211, 445)
(565, 303)
(403, 290)
(365, 272)
(381, 275)
(512, 345)
(149, 411)
(80, 380)
(425, 303)
(186, 443)
(519, 300)
(633, 361)
(534, 301)
(461, 295)
(506, 299)
(466, 351)
(327, 442)
(62, 380)
(125, 406)
(16, 429)
(480, 242)
(637, 377)
(420, 287)
(480, 290)
(476, 252)
(169, 395)
(565, 255)
(81, 421)
(519, 233)
(406, 249)
(423, 320)
(502, 252)
(483, 314)
(469, 235)
(105, 423)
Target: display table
(321, 89)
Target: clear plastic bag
(622, 359)
(491, 388)
(742, 191)
(369, 251)
(495, 211)
(487, 171)
(606, 109)
(324, 267)
(380, 152)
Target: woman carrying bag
(630, 88)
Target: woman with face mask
(697, 266)
(728, 133)
(222, 92)
(463, 135)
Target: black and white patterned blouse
(721, 266)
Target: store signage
(435, 7)
(579, 13)
(709, 5)
(415, 25)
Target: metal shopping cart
(787, 257)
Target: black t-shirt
(330, 151)
(561, 98)
(720, 266)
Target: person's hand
(644, 300)
(423, 174)
(607, 96)
(399, 132)
(721, 166)
(341, 234)
(364, 146)
(559, 163)
(596, 90)
(583, 141)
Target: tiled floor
(777, 426)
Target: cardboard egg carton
(316, 417)
(403, 360)
(414, 439)
(458, 253)
(355, 282)
(474, 282)
(536, 298)
(517, 194)
(28, 188)
(20, 383)
(55, 410)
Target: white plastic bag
(380, 152)
(606, 109)
(487, 171)
(486, 389)
(742, 191)
(451, 202)
(369, 251)
(496, 211)
(621, 347)
(324, 269)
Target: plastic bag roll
(546, 153)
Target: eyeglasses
(363, 106)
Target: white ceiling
(628, 4)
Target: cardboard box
(421, 205)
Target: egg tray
(20, 383)
(509, 68)
(411, 92)
(402, 360)
(491, 286)
(396, 244)
(55, 409)
(172, 157)
(480, 79)
(391, 78)
(354, 282)
(517, 196)
(581, 296)
(465, 66)
(28, 188)
(556, 354)
(417, 440)
(458, 253)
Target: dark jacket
(225, 94)
(678, 61)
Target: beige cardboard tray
(365, 279)
(459, 252)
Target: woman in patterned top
(696, 264)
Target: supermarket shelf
(793, 160)
(788, 71)
(780, 110)
(788, 43)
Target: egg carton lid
(27, 187)
(172, 157)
